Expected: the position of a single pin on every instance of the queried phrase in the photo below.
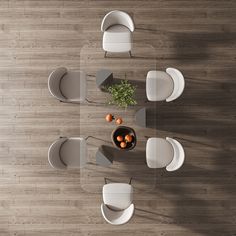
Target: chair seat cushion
(159, 86)
(73, 152)
(73, 86)
(118, 196)
(159, 153)
(117, 38)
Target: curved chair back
(117, 217)
(117, 18)
(54, 158)
(54, 80)
(179, 155)
(179, 83)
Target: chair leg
(130, 180)
(89, 101)
(105, 180)
(93, 102)
(91, 75)
(90, 136)
(130, 54)
(105, 55)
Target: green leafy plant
(122, 94)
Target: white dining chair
(162, 85)
(117, 27)
(67, 86)
(167, 153)
(68, 153)
(117, 207)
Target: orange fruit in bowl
(119, 138)
(109, 117)
(128, 138)
(123, 144)
(119, 121)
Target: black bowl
(122, 131)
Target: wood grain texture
(197, 37)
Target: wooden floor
(197, 37)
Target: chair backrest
(179, 155)
(117, 217)
(117, 18)
(54, 158)
(54, 80)
(179, 83)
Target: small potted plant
(122, 94)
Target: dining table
(104, 159)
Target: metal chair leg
(105, 180)
(105, 55)
(130, 54)
(93, 102)
(130, 180)
(91, 75)
(89, 101)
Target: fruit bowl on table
(124, 138)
